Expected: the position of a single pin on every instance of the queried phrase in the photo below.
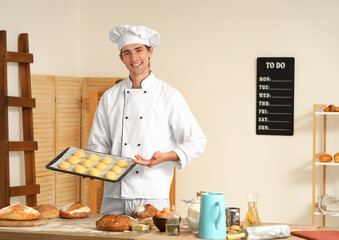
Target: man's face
(136, 58)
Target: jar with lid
(172, 222)
(193, 215)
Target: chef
(143, 118)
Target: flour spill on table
(59, 225)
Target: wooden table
(80, 229)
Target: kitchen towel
(317, 235)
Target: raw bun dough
(93, 157)
(87, 163)
(64, 165)
(112, 222)
(47, 211)
(18, 212)
(116, 169)
(325, 158)
(110, 175)
(107, 160)
(75, 210)
(79, 154)
(73, 160)
(122, 163)
(101, 166)
(94, 172)
(80, 169)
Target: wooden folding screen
(56, 126)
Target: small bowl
(160, 223)
(194, 224)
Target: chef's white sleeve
(187, 132)
(100, 139)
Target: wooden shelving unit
(319, 113)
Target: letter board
(275, 96)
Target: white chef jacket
(142, 121)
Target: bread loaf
(75, 210)
(47, 211)
(18, 212)
(336, 157)
(325, 158)
(112, 222)
(146, 211)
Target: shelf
(334, 214)
(326, 163)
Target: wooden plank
(22, 146)
(4, 155)
(20, 102)
(24, 190)
(18, 57)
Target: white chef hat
(126, 34)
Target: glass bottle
(172, 222)
(252, 215)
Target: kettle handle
(218, 222)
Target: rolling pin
(265, 232)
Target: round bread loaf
(101, 166)
(80, 169)
(336, 157)
(87, 163)
(94, 172)
(18, 212)
(110, 175)
(75, 210)
(47, 211)
(112, 222)
(325, 158)
(146, 211)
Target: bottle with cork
(173, 222)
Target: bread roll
(112, 222)
(146, 211)
(87, 163)
(79, 154)
(93, 157)
(336, 157)
(325, 158)
(94, 172)
(122, 163)
(64, 165)
(73, 160)
(47, 211)
(18, 212)
(79, 169)
(101, 166)
(110, 175)
(116, 169)
(75, 210)
(107, 160)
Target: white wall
(208, 51)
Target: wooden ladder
(26, 102)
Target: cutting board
(24, 223)
(317, 235)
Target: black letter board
(275, 96)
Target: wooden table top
(84, 228)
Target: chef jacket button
(127, 91)
(139, 144)
(145, 91)
(125, 144)
(137, 172)
(140, 117)
(126, 117)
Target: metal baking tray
(62, 157)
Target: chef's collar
(145, 84)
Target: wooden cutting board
(24, 223)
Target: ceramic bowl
(194, 224)
(160, 223)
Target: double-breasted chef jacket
(142, 121)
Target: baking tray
(62, 157)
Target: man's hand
(158, 157)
